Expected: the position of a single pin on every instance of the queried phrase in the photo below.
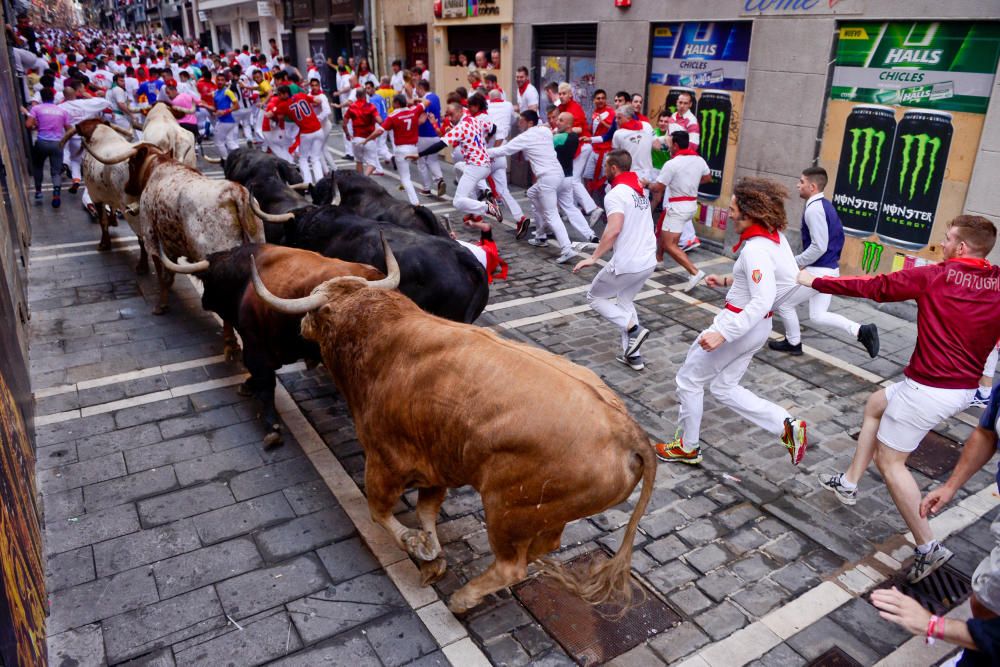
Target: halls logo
(870, 257)
(913, 56)
(866, 144)
(699, 50)
(713, 121)
(919, 159)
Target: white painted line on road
(78, 244)
(130, 375)
(81, 253)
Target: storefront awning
(206, 5)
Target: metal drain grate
(935, 457)
(835, 657)
(942, 590)
(586, 635)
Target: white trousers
(273, 141)
(499, 174)
(366, 154)
(73, 155)
(583, 197)
(611, 296)
(722, 369)
(403, 167)
(226, 138)
(465, 192)
(572, 212)
(819, 305)
(311, 156)
(430, 166)
(544, 199)
(383, 147)
(244, 118)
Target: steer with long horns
(184, 213)
(437, 405)
(270, 338)
(162, 130)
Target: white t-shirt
(635, 247)
(397, 81)
(528, 98)
(639, 144)
(682, 175)
(501, 113)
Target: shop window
(464, 42)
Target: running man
(634, 259)
(298, 108)
(822, 241)
(684, 119)
(957, 329)
(679, 180)
(764, 274)
(404, 123)
(360, 120)
(224, 101)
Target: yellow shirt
(387, 95)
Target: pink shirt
(188, 102)
(52, 121)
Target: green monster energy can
(919, 158)
(715, 111)
(671, 103)
(864, 166)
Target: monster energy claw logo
(862, 142)
(712, 122)
(871, 256)
(923, 141)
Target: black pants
(53, 152)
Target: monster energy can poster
(903, 125)
(708, 59)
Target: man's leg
(403, 167)
(549, 203)
(464, 200)
(867, 438)
(579, 190)
(499, 173)
(611, 296)
(568, 206)
(904, 491)
(669, 242)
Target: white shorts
(677, 216)
(914, 409)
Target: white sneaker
(693, 282)
(594, 216)
(566, 255)
(982, 397)
(580, 246)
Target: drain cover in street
(835, 657)
(588, 637)
(942, 590)
(935, 457)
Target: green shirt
(660, 156)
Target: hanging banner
(902, 173)
(932, 65)
(701, 55)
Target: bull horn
(299, 186)
(180, 268)
(268, 217)
(211, 160)
(113, 159)
(122, 131)
(447, 224)
(67, 136)
(391, 280)
(288, 306)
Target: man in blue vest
(822, 241)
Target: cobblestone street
(172, 537)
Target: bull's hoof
(160, 309)
(245, 389)
(432, 571)
(232, 351)
(104, 246)
(273, 439)
(461, 602)
(142, 269)
(312, 363)
(420, 544)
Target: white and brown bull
(186, 214)
(162, 130)
(554, 446)
(106, 182)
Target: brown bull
(556, 444)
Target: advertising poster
(710, 60)
(903, 124)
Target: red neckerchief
(686, 151)
(629, 178)
(631, 125)
(521, 89)
(756, 230)
(977, 262)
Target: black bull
(439, 275)
(271, 181)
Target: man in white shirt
(243, 58)
(397, 79)
(684, 119)
(425, 73)
(527, 94)
(635, 137)
(764, 275)
(679, 179)
(118, 100)
(634, 259)
(535, 141)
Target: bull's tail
(609, 581)
(244, 214)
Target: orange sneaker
(675, 451)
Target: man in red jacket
(362, 116)
(957, 326)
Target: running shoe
(693, 281)
(784, 346)
(636, 337)
(522, 227)
(580, 246)
(423, 191)
(566, 255)
(794, 438)
(634, 362)
(835, 483)
(924, 564)
(75, 186)
(441, 187)
(594, 216)
(56, 201)
(539, 241)
(868, 335)
(38, 199)
(693, 244)
(675, 451)
(493, 209)
(982, 397)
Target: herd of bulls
(378, 290)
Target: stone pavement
(172, 537)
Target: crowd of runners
(638, 174)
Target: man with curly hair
(763, 276)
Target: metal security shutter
(569, 38)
